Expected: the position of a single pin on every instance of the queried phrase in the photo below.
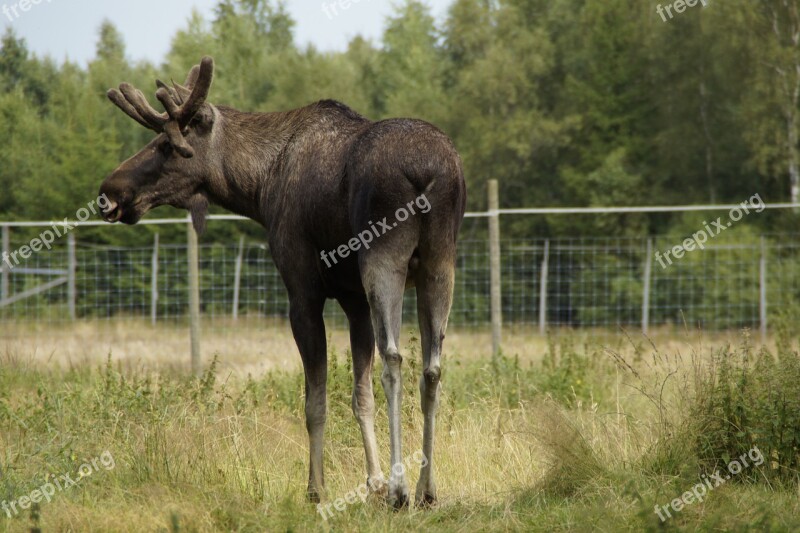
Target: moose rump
(398, 188)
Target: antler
(199, 82)
(133, 102)
(181, 103)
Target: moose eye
(165, 148)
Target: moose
(315, 178)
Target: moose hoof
(378, 486)
(426, 500)
(312, 495)
(426, 494)
(398, 497)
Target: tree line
(566, 102)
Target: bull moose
(316, 178)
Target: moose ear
(198, 208)
(203, 121)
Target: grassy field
(566, 433)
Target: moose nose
(117, 197)
(112, 212)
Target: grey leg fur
(385, 294)
(434, 297)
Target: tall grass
(581, 437)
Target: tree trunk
(712, 193)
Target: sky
(68, 29)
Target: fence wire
(590, 283)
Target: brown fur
(315, 177)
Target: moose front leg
(308, 328)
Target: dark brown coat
(317, 178)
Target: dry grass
(229, 454)
(256, 346)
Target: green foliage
(567, 102)
(753, 400)
(564, 374)
(719, 285)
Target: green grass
(586, 438)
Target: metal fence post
(762, 284)
(648, 270)
(237, 279)
(494, 267)
(154, 282)
(543, 289)
(194, 296)
(5, 271)
(71, 269)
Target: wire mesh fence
(588, 283)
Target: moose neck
(249, 145)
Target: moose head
(172, 168)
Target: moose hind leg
(362, 344)
(308, 328)
(434, 298)
(385, 287)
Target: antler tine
(182, 92)
(168, 97)
(191, 79)
(154, 119)
(121, 102)
(200, 87)
(171, 92)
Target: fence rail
(542, 283)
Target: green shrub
(752, 398)
(564, 373)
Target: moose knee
(392, 363)
(316, 415)
(362, 403)
(432, 375)
(429, 387)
